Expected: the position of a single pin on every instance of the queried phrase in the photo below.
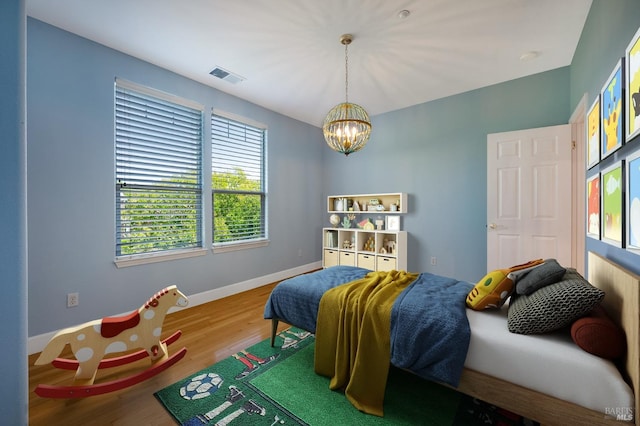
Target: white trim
(126, 84)
(234, 246)
(37, 343)
(142, 259)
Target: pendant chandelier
(347, 126)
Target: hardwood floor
(210, 332)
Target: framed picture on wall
(593, 206)
(611, 212)
(632, 87)
(633, 202)
(611, 106)
(593, 133)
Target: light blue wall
(13, 198)
(436, 152)
(71, 186)
(608, 30)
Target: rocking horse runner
(91, 341)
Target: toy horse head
(167, 298)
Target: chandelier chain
(346, 72)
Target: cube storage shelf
(370, 249)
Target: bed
(522, 393)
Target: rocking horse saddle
(112, 326)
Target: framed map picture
(633, 202)
(632, 103)
(611, 105)
(593, 206)
(611, 209)
(593, 133)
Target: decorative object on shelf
(346, 244)
(393, 223)
(334, 219)
(369, 245)
(379, 223)
(356, 206)
(346, 220)
(347, 126)
(393, 207)
(338, 204)
(363, 222)
(389, 246)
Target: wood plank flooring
(210, 332)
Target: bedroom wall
(607, 32)
(13, 250)
(436, 152)
(71, 186)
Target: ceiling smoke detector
(226, 75)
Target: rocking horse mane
(154, 300)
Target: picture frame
(392, 223)
(611, 201)
(593, 206)
(593, 133)
(612, 112)
(632, 87)
(632, 219)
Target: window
(238, 187)
(158, 142)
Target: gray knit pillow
(554, 306)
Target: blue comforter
(429, 327)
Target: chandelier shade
(347, 126)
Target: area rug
(277, 386)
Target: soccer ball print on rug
(278, 386)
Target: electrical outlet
(73, 299)
(434, 260)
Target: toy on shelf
(91, 341)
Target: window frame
(242, 244)
(124, 260)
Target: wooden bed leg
(274, 331)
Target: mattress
(551, 364)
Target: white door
(529, 196)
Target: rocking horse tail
(53, 349)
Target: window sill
(223, 248)
(142, 259)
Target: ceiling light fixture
(404, 14)
(347, 126)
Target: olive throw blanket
(353, 336)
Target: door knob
(493, 226)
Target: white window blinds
(158, 171)
(237, 180)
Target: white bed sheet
(551, 364)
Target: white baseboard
(37, 343)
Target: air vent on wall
(225, 75)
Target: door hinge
(573, 144)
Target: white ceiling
(290, 55)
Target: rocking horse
(91, 341)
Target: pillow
(597, 334)
(548, 273)
(495, 287)
(554, 306)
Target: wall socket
(434, 260)
(73, 299)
